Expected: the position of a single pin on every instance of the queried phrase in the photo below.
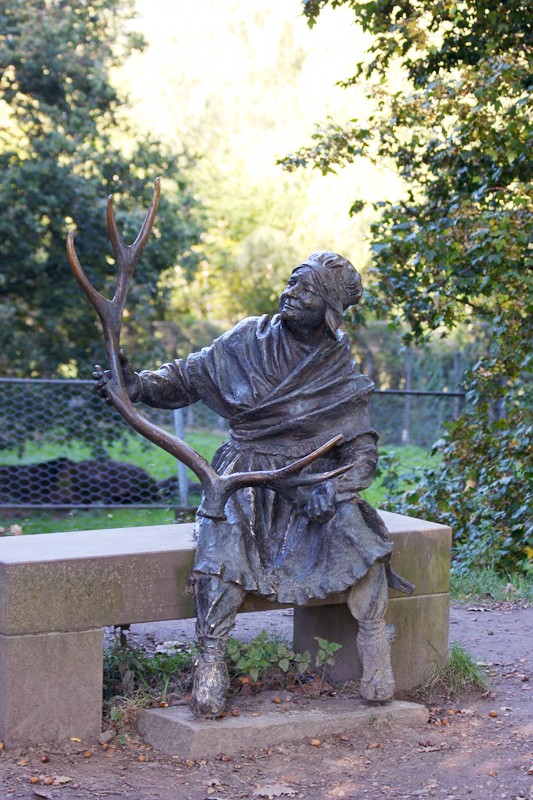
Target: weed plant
(135, 678)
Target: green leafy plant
(325, 657)
(265, 658)
(271, 661)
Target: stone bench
(58, 591)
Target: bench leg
(51, 686)
(421, 626)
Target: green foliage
(265, 658)
(271, 661)
(486, 500)
(460, 675)
(456, 248)
(63, 148)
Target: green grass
(41, 521)
(459, 676)
(486, 586)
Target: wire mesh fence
(62, 447)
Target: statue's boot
(211, 679)
(373, 646)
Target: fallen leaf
(275, 790)
(42, 793)
(375, 746)
(432, 748)
(23, 762)
(61, 780)
(315, 742)
(75, 739)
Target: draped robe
(283, 399)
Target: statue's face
(299, 304)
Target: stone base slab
(259, 726)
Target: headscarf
(337, 281)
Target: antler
(216, 488)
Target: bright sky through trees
(243, 84)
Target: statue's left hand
(320, 506)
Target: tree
(456, 248)
(64, 146)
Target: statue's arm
(361, 451)
(170, 386)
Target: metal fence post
(183, 481)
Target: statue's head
(331, 284)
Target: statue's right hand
(103, 377)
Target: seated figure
(287, 384)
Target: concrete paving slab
(261, 724)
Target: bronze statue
(275, 520)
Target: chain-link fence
(62, 447)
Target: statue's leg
(367, 601)
(217, 604)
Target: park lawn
(133, 449)
(160, 465)
(409, 458)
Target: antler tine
(95, 298)
(127, 256)
(279, 480)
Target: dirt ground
(474, 748)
